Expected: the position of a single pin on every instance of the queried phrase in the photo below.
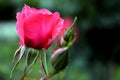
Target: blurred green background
(96, 55)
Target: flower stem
(24, 74)
(50, 75)
(60, 76)
(41, 67)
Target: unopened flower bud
(60, 59)
(68, 35)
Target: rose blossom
(37, 28)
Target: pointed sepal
(19, 52)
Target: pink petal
(67, 25)
(58, 28)
(68, 22)
(44, 11)
(38, 29)
(19, 27)
(28, 10)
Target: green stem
(24, 74)
(50, 75)
(60, 76)
(41, 67)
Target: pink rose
(38, 28)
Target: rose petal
(39, 27)
(19, 27)
(44, 11)
(68, 22)
(28, 10)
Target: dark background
(96, 55)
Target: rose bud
(37, 28)
(60, 59)
(68, 33)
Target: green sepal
(17, 52)
(31, 58)
(70, 34)
(20, 51)
(44, 63)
